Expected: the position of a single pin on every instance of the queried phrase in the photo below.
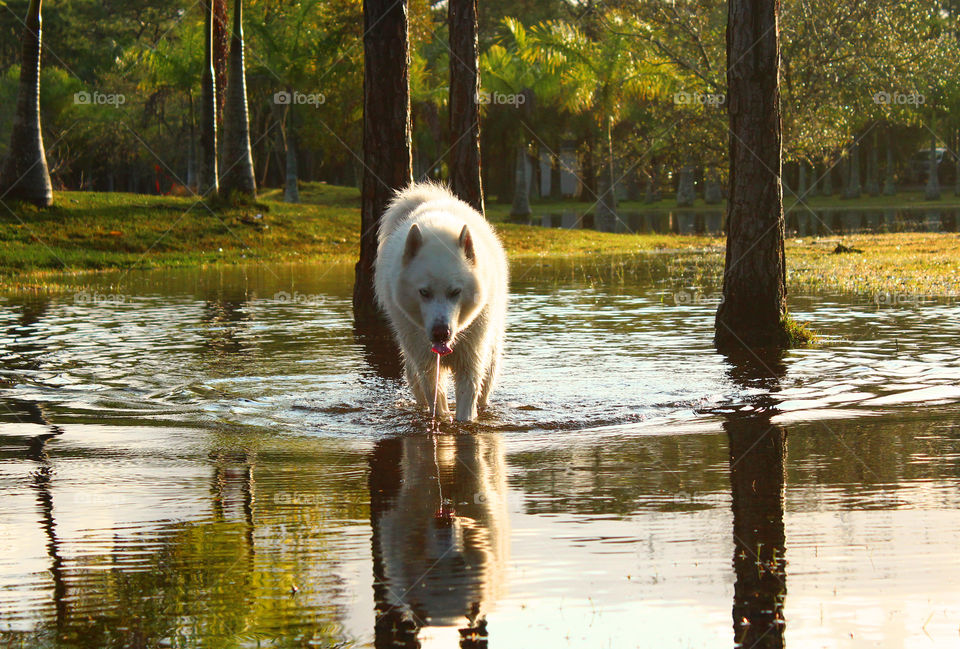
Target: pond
(801, 220)
(216, 458)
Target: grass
(95, 231)
(87, 231)
(903, 266)
(798, 334)
(913, 199)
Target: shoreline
(89, 233)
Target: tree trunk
(686, 190)
(192, 150)
(25, 175)
(873, 168)
(956, 167)
(606, 214)
(221, 43)
(521, 183)
(853, 188)
(536, 178)
(464, 109)
(556, 177)
(652, 194)
(291, 187)
(386, 137)
(802, 181)
(237, 158)
(754, 280)
(932, 192)
(589, 175)
(712, 195)
(827, 180)
(813, 189)
(208, 176)
(889, 186)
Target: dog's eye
(454, 292)
(425, 293)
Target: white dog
(441, 278)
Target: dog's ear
(466, 242)
(414, 242)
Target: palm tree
(171, 70)
(386, 136)
(519, 69)
(754, 280)
(24, 175)
(208, 177)
(294, 48)
(237, 158)
(601, 78)
(464, 107)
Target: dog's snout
(440, 333)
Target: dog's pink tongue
(441, 348)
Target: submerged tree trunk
(932, 191)
(386, 136)
(25, 175)
(208, 176)
(464, 109)
(237, 158)
(754, 281)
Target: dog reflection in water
(437, 563)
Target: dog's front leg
(433, 383)
(468, 390)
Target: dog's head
(440, 287)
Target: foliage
(643, 68)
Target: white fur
(441, 265)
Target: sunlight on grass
(93, 231)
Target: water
(801, 220)
(216, 458)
